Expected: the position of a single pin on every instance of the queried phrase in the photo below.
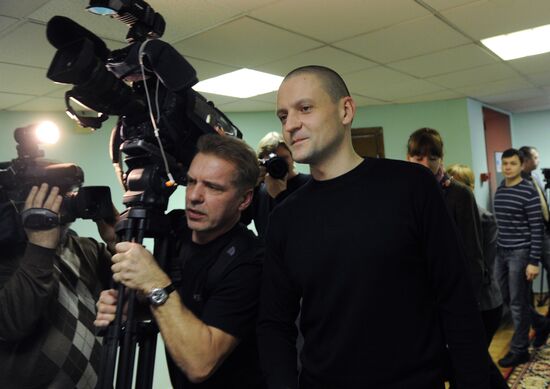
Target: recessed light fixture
(241, 83)
(521, 43)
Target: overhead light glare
(520, 44)
(241, 83)
(47, 132)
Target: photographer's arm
(27, 282)
(198, 349)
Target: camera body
(275, 166)
(30, 169)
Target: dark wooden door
(368, 142)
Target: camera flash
(47, 132)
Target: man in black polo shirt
(208, 329)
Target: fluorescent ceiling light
(241, 83)
(521, 43)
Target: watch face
(158, 296)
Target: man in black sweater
(359, 236)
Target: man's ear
(348, 110)
(247, 200)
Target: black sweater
(355, 248)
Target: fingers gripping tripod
(138, 224)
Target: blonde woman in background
(491, 298)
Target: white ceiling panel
(244, 42)
(509, 85)
(248, 106)
(440, 95)
(330, 21)
(362, 101)
(475, 76)
(404, 89)
(336, 59)
(270, 98)
(45, 104)
(534, 64)
(25, 80)
(206, 69)
(446, 4)
(17, 47)
(405, 40)
(20, 8)
(526, 105)
(378, 78)
(516, 95)
(6, 22)
(9, 99)
(541, 79)
(445, 61)
(488, 18)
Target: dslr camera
(274, 165)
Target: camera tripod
(139, 223)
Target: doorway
(368, 142)
(497, 139)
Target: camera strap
(39, 219)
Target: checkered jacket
(47, 308)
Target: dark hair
(425, 142)
(237, 152)
(510, 153)
(526, 152)
(332, 82)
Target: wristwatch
(158, 296)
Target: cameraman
(48, 284)
(209, 292)
(271, 191)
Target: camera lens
(276, 167)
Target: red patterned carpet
(534, 374)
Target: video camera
(31, 169)
(160, 117)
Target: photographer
(272, 189)
(207, 298)
(48, 285)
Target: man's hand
(40, 198)
(275, 186)
(106, 308)
(107, 232)
(136, 268)
(531, 272)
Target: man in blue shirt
(519, 246)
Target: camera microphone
(62, 31)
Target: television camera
(30, 168)
(147, 85)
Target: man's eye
(306, 108)
(282, 118)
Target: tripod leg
(110, 346)
(146, 359)
(125, 371)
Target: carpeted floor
(534, 374)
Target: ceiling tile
(244, 42)
(20, 8)
(9, 99)
(404, 89)
(378, 78)
(206, 69)
(18, 48)
(534, 64)
(25, 80)
(439, 95)
(248, 106)
(362, 101)
(40, 104)
(521, 94)
(484, 19)
(496, 87)
(270, 98)
(526, 105)
(445, 61)
(405, 40)
(318, 18)
(6, 22)
(474, 76)
(542, 79)
(446, 4)
(336, 59)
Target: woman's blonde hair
(462, 173)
